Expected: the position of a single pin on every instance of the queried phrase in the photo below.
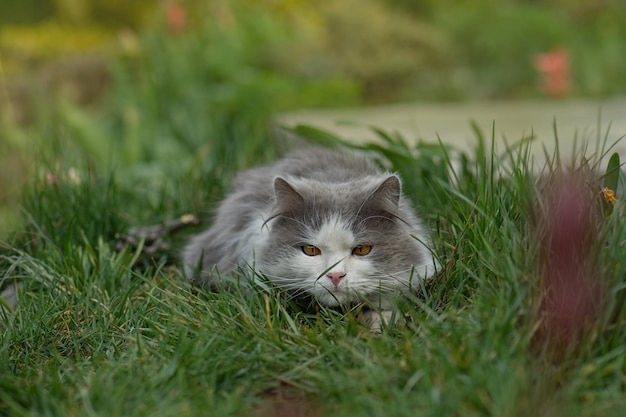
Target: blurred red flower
(176, 17)
(571, 285)
(555, 72)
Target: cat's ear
(287, 198)
(387, 195)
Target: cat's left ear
(287, 198)
(387, 195)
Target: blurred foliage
(27, 12)
(156, 88)
(48, 40)
(112, 13)
(492, 45)
(393, 49)
(195, 98)
(384, 50)
(500, 57)
(34, 31)
(512, 33)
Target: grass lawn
(525, 318)
(107, 325)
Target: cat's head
(343, 242)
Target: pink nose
(335, 277)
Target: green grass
(101, 332)
(108, 326)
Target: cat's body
(321, 223)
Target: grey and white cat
(326, 224)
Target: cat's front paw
(376, 320)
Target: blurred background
(146, 87)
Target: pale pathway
(451, 122)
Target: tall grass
(106, 325)
(104, 332)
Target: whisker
(375, 217)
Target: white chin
(332, 299)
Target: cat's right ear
(387, 195)
(287, 198)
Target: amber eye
(362, 250)
(311, 250)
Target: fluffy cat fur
(364, 241)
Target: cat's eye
(311, 250)
(362, 250)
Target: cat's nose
(335, 277)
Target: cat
(319, 223)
